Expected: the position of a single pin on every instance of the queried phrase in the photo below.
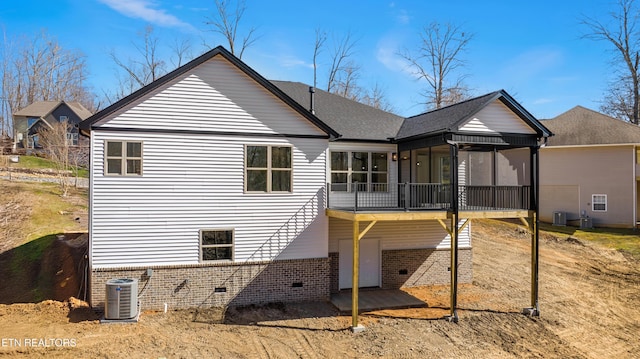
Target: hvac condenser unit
(586, 223)
(559, 219)
(121, 299)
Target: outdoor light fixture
(394, 156)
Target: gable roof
(582, 126)
(450, 118)
(352, 119)
(43, 108)
(101, 116)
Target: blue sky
(532, 49)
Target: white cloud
(542, 101)
(146, 10)
(387, 54)
(403, 17)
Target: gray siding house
(237, 190)
(590, 169)
(30, 119)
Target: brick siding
(247, 283)
(422, 267)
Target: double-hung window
(123, 158)
(268, 168)
(216, 244)
(368, 169)
(599, 202)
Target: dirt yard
(590, 300)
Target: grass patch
(43, 210)
(39, 163)
(29, 253)
(625, 240)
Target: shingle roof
(582, 126)
(43, 108)
(80, 110)
(450, 118)
(38, 109)
(353, 120)
(443, 119)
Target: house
(214, 186)
(37, 115)
(590, 170)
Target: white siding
(191, 182)
(496, 118)
(214, 96)
(400, 234)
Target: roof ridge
(490, 94)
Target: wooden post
(534, 310)
(355, 276)
(454, 231)
(454, 268)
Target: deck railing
(425, 196)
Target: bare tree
(226, 22)
(321, 38)
(182, 52)
(376, 97)
(343, 50)
(623, 98)
(39, 69)
(54, 141)
(137, 72)
(437, 61)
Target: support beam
(534, 310)
(453, 316)
(355, 327)
(453, 150)
(362, 234)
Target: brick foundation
(195, 286)
(415, 267)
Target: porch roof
(447, 120)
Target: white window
(63, 118)
(268, 168)
(72, 139)
(599, 202)
(123, 158)
(368, 169)
(216, 244)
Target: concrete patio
(375, 299)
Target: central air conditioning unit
(121, 299)
(586, 223)
(559, 219)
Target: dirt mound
(52, 267)
(588, 295)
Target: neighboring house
(29, 120)
(237, 190)
(590, 169)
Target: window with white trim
(216, 244)
(123, 158)
(599, 202)
(368, 169)
(268, 168)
